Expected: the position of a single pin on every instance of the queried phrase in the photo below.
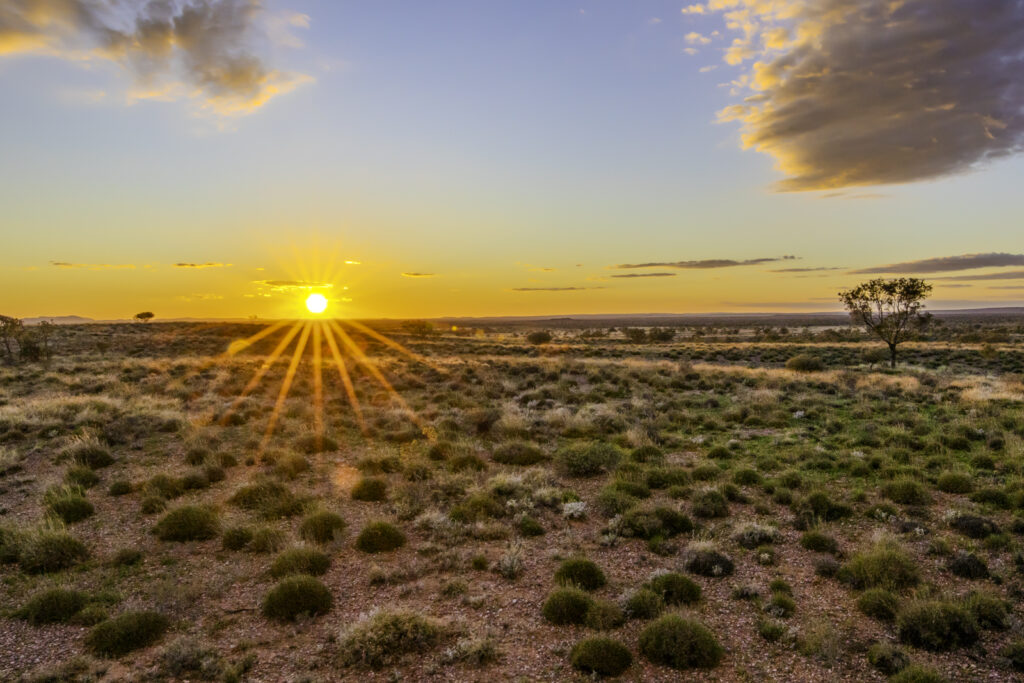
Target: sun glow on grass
(316, 303)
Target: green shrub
(380, 537)
(887, 658)
(878, 603)
(680, 643)
(707, 561)
(955, 482)
(1014, 652)
(91, 455)
(936, 625)
(300, 561)
(601, 656)
(53, 606)
(647, 454)
(884, 566)
(266, 540)
(83, 476)
(644, 604)
(528, 526)
(566, 606)
(188, 523)
(675, 588)
(127, 557)
(125, 633)
(906, 492)
(50, 550)
(772, 631)
(295, 596)
(236, 538)
(781, 605)
(580, 572)
(370, 489)
(321, 527)
(915, 673)
(604, 615)
(819, 542)
(587, 460)
(968, 566)
(805, 362)
(989, 612)
(164, 486)
(518, 453)
(384, 637)
(119, 487)
(151, 505)
(710, 503)
(751, 536)
(270, 499)
(68, 503)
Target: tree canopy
(889, 309)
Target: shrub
(518, 453)
(887, 659)
(827, 567)
(906, 492)
(710, 503)
(295, 596)
(384, 637)
(968, 566)
(236, 538)
(772, 631)
(954, 482)
(164, 486)
(587, 460)
(266, 540)
(1014, 652)
(53, 606)
(675, 588)
(528, 526)
(566, 606)
(152, 504)
(300, 561)
(819, 542)
(83, 476)
(270, 499)
(781, 605)
(974, 527)
(604, 616)
(644, 604)
(751, 536)
(50, 550)
(989, 612)
(601, 656)
(125, 633)
(370, 489)
(647, 454)
(126, 557)
(884, 566)
(539, 337)
(91, 454)
(680, 643)
(915, 673)
(936, 625)
(878, 603)
(580, 572)
(188, 523)
(379, 537)
(707, 562)
(68, 504)
(321, 527)
(119, 487)
(805, 362)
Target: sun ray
(365, 363)
(346, 379)
(369, 331)
(286, 383)
(318, 383)
(267, 363)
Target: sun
(316, 303)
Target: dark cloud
(418, 274)
(92, 266)
(291, 285)
(552, 289)
(705, 264)
(1002, 287)
(631, 275)
(802, 270)
(208, 264)
(847, 93)
(201, 49)
(1005, 275)
(948, 263)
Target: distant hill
(58, 320)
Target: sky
(225, 158)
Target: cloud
(628, 275)
(803, 270)
(93, 266)
(875, 92)
(1005, 275)
(1001, 287)
(291, 285)
(694, 9)
(208, 264)
(201, 50)
(948, 263)
(694, 38)
(552, 289)
(201, 297)
(418, 274)
(705, 264)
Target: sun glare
(316, 303)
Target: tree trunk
(892, 356)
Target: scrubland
(585, 507)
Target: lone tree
(145, 316)
(890, 309)
(10, 331)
